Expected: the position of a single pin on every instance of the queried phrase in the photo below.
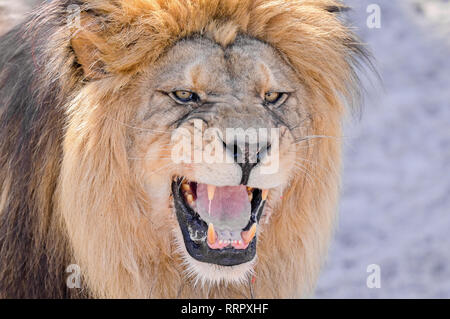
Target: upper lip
(195, 231)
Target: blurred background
(395, 206)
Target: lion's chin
(204, 274)
(217, 229)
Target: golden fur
(94, 200)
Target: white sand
(395, 209)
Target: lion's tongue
(230, 207)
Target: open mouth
(219, 224)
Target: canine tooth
(265, 193)
(190, 198)
(211, 191)
(248, 236)
(186, 187)
(250, 197)
(212, 237)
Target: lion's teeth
(265, 193)
(250, 193)
(211, 191)
(190, 198)
(212, 237)
(186, 187)
(248, 236)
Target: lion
(91, 95)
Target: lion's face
(154, 140)
(223, 191)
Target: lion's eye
(272, 97)
(185, 96)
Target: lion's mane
(67, 194)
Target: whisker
(149, 157)
(161, 168)
(138, 128)
(315, 163)
(306, 174)
(306, 171)
(310, 137)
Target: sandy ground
(395, 208)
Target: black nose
(246, 156)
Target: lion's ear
(88, 54)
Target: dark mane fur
(39, 74)
(32, 245)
